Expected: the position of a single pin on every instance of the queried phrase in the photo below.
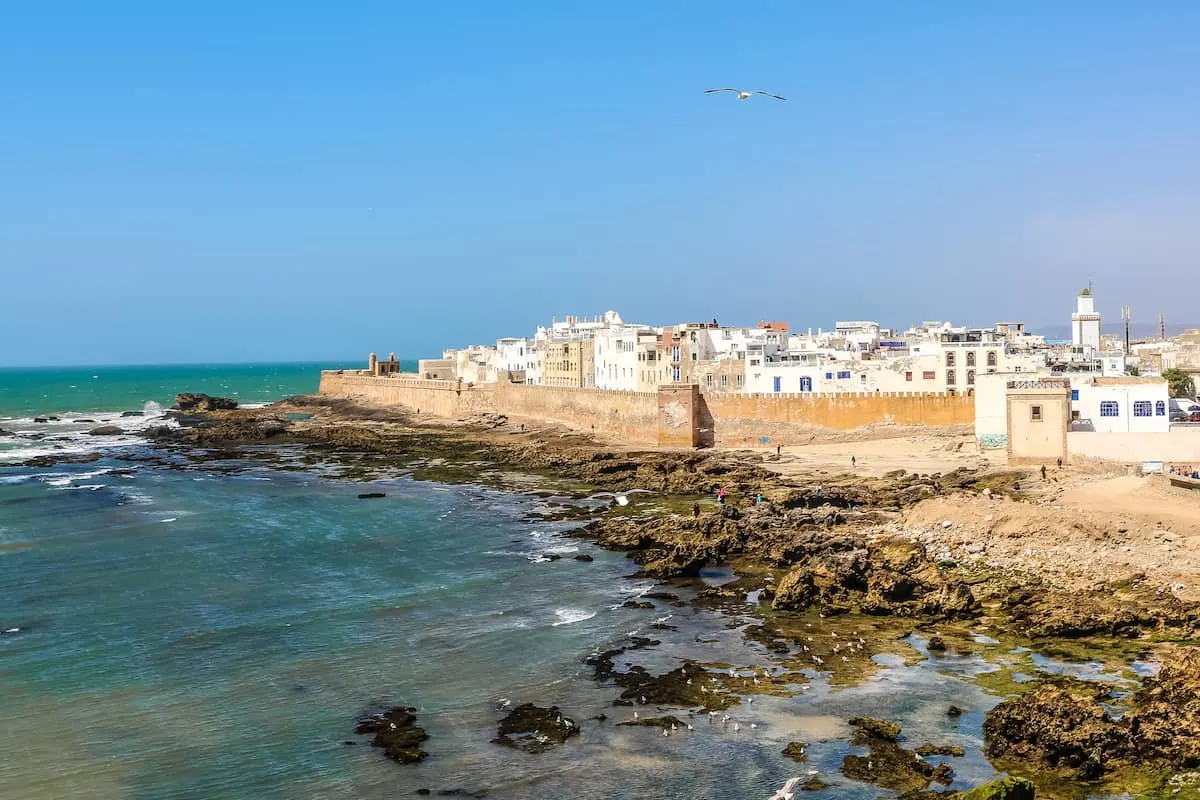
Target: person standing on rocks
(721, 496)
(1043, 472)
(696, 510)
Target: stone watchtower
(373, 364)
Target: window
(1075, 394)
(754, 362)
(724, 381)
(708, 380)
(908, 377)
(739, 381)
(928, 375)
(950, 378)
(971, 359)
(970, 377)
(806, 384)
(675, 373)
(694, 355)
(1160, 408)
(1035, 413)
(828, 376)
(991, 358)
(843, 375)
(1143, 408)
(863, 376)
(675, 353)
(1109, 408)
(950, 359)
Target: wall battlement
(675, 415)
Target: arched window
(991, 358)
(970, 377)
(950, 377)
(971, 359)
(1160, 408)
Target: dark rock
(813, 784)
(583, 557)
(551, 556)
(936, 645)
(637, 604)
(83, 421)
(797, 751)
(877, 728)
(370, 495)
(198, 401)
(6, 432)
(41, 419)
(106, 430)
(889, 765)
(940, 750)
(954, 711)
(534, 729)
(668, 722)
(660, 596)
(1007, 789)
(133, 413)
(397, 733)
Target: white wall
(1181, 445)
(1091, 397)
(616, 357)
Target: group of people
(1185, 471)
(721, 497)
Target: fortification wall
(741, 419)
(440, 398)
(640, 417)
(632, 416)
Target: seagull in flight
(743, 94)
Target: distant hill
(1137, 330)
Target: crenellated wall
(676, 415)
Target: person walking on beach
(1043, 472)
(853, 461)
(778, 449)
(1060, 462)
(721, 496)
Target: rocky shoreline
(822, 543)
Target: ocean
(216, 631)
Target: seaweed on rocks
(397, 733)
(534, 729)
(875, 729)
(1065, 726)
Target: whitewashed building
(1120, 405)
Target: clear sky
(214, 181)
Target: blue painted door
(805, 384)
(778, 381)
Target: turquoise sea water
(215, 632)
(53, 390)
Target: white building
(616, 356)
(510, 354)
(1085, 322)
(1120, 405)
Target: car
(1179, 416)
(1194, 416)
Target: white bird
(690, 728)
(786, 792)
(753, 725)
(635, 715)
(743, 94)
(737, 726)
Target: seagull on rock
(742, 94)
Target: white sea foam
(567, 616)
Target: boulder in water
(5, 432)
(41, 419)
(397, 733)
(133, 413)
(106, 430)
(370, 495)
(198, 401)
(534, 729)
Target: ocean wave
(568, 616)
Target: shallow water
(190, 634)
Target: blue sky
(282, 181)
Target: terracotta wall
(740, 419)
(440, 398)
(723, 419)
